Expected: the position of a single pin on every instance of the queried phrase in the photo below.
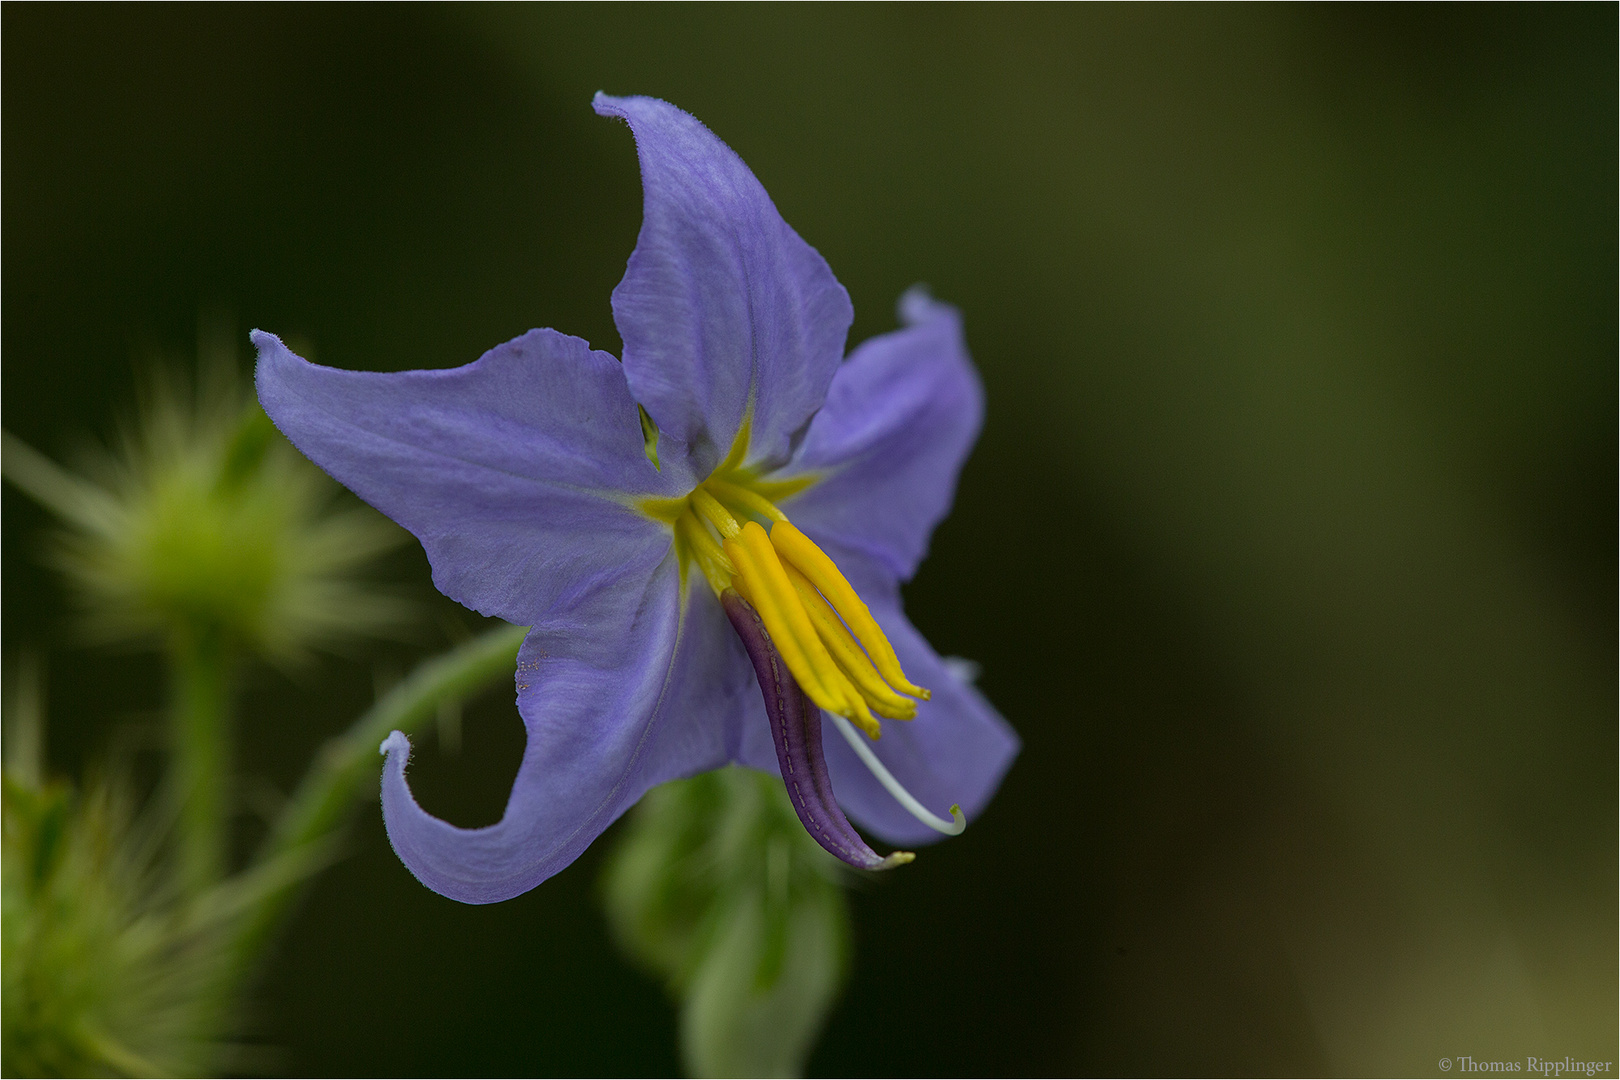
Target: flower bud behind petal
(715, 888)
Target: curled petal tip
(396, 741)
(264, 341)
(898, 858)
(917, 305)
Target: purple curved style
(796, 730)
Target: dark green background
(1289, 547)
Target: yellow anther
(771, 585)
(737, 495)
(756, 589)
(717, 515)
(861, 714)
(799, 550)
(742, 589)
(844, 649)
(800, 595)
(858, 712)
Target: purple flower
(554, 486)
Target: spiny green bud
(204, 520)
(103, 975)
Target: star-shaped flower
(555, 487)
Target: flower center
(794, 609)
(823, 629)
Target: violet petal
(901, 415)
(723, 307)
(639, 689)
(513, 470)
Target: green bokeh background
(1289, 547)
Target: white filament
(905, 798)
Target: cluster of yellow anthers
(822, 628)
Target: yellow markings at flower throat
(823, 629)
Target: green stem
(348, 766)
(200, 742)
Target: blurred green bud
(203, 519)
(716, 888)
